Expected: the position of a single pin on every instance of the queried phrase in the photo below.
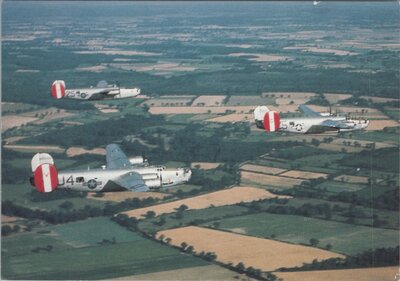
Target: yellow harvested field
(205, 165)
(303, 175)
(36, 148)
(337, 147)
(167, 67)
(261, 57)
(235, 117)
(117, 52)
(269, 179)
(199, 109)
(259, 253)
(360, 274)
(286, 101)
(248, 100)
(12, 121)
(74, 151)
(95, 68)
(123, 195)
(321, 50)
(72, 123)
(170, 101)
(377, 125)
(351, 179)
(363, 143)
(208, 100)
(207, 272)
(379, 99)
(262, 169)
(8, 219)
(288, 95)
(219, 198)
(334, 98)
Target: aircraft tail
(58, 89)
(266, 119)
(45, 175)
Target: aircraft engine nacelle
(128, 93)
(272, 121)
(136, 160)
(45, 175)
(58, 89)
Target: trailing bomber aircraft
(119, 174)
(103, 90)
(313, 122)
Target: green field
(344, 238)
(137, 255)
(90, 232)
(21, 194)
(190, 217)
(337, 186)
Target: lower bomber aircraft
(313, 122)
(120, 174)
(102, 91)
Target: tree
(184, 245)
(182, 208)
(67, 205)
(314, 242)
(150, 214)
(240, 267)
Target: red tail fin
(272, 121)
(58, 89)
(46, 178)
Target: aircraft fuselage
(101, 180)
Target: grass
(337, 186)
(90, 232)
(190, 216)
(376, 136)
(344, 238)
(138, 256)
(20, 194)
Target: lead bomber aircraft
(313, 122)
(119, 174)
(102, 91)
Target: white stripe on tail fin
(58, 89)
(272, 121)
(45, 176)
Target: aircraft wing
(308, 111)
(132, 181)
(116, 158)
(336, 124)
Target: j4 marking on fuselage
(120, 174)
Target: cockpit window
(80, 179)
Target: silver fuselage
(113, 92)
(98, 180)
(313, 124)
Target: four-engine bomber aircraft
(313, 122)
(120, 174)
(103, 90)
